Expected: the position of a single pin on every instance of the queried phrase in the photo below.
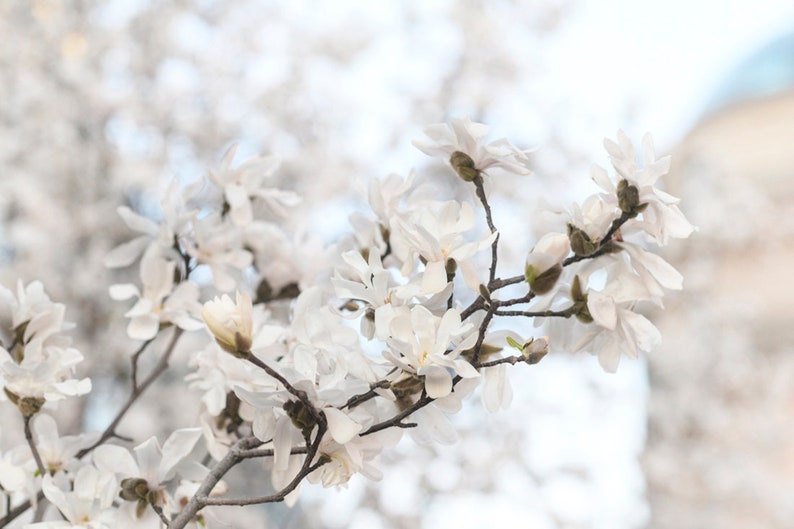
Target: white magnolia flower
(45, 374)
(428, 346)
(218, 244)
(353, 457)
(616, 329)
(438, 237)
(594, 218)
(161, 235)
(466, 136)
(246, 182)
(87, 504)
(231, 323)
(160, 302)
(58, 453)
(370, 282)
(661, 218)
(34, 314)
(145, 477)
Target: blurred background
(102, 103)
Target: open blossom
(231, 323)
(87, 503)
(56, 452)
(661, 218)
(219, 245)
(616, 329)
(353, 457)
(428, 346)
(466, 136)
(33, 314)
(161, 302)
(245, 182)
(161, 235)
(437, 237)
(147, 475)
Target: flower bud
(535, 350)
(629, 198)
(231, 323)
(579, 299)
(581, 244)
(544, 262)
(464, 166)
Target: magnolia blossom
(245, 182)
(466, 136)
(161, 301)
(56, 452)
(428, 346)
(32, 312)
(353, 457)
(145, 477)
(616, 328)
(370, 282)
(438, 238)
(175, 222)
(661, 218)
(231, 323)
(218, 244)
(87, 503)
(45, 374)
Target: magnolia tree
(316, 361)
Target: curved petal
(115, 460)
(438, 382)
(178, 445)
(341, 427)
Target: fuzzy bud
(464, 166)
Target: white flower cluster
(317, 373)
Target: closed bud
(542, 283)
(463, 164)
(581, 244)
(535, 350)
(302, 417)
(579, 298)
(629, 199)
(544, 262)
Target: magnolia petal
(602, 309)
(496, 391)
(143, 327)
(12, 478)
(438, 382)
(341, 427)
(178, 445)
(57, 497)
(116, 460)
(609, 357)
(137, 222)
(662, 271)
(282, 444)
(237, 197)
(123, 291)
(434, 278)
(645, 334)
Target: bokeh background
(103, 102)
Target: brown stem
(32, 445)
(161, 366)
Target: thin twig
(161, 366)
(134, 361)
(32, 445)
